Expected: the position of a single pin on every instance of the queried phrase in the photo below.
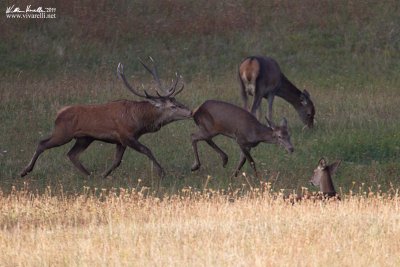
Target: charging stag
(120, 122)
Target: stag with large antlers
(120, 122)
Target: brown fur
(216, 117)
(120, 122)
(249, 71)
(261, 77)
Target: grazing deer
(261, 77)
(323, 178)
(120, 122)
(216, 117)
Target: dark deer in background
(120, 122)
(217, 117)
(261, 77)
(323, 178)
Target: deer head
(323, 176)
(307, 110)
(281, 134)
(165, 102)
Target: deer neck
(149, 116)
(289, 92)
(326, 186)
(265, 134)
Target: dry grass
(136, 228)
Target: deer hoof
(161, 174)
(224, 161)
(195, 167)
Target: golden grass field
(194, 228)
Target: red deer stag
(120, 122)
(322, 178)
(261, 77)
(217, 117)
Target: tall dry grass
(136, 228)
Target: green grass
(360, 134)
(346, 55)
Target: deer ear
(333, 167)
(269, 123)
(284, 122)
(322, 163)
(155, 103)
(303, 99)
(306, 93)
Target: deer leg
(259, 113)
(240, 165)
(50, 142)
(120, 149)
(221, 153)
(80, 145)
(270, 102)
(196, 137)
(246, 152)
(145, 150)
(243, 94)
(256, 103)
(199, 136)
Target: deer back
(225, 118)
(218, 117)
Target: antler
(172, 90)
(170, 93)
(154, 73)
(120, 72)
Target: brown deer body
(120, 122)
(261, 77)
(216, 117)
(322, 178)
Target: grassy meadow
(345, 53)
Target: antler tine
(173, 87)
(147, 95)
(171, 90)
(153, 72)
(180, 90)
(120, 72)
(120, 69)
